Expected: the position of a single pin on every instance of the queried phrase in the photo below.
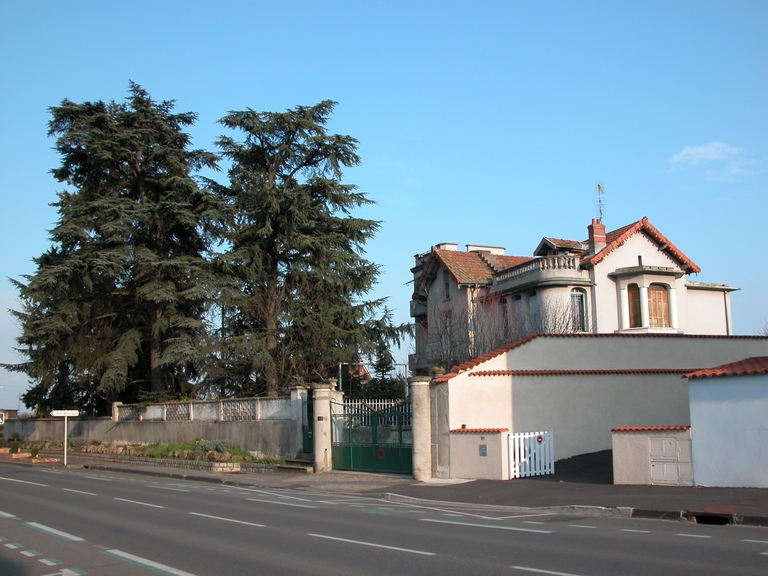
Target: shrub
(15, 445)
(34, 451)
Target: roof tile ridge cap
(670, 245)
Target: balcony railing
(538, 265)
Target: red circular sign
(381, 453)
(539, 439)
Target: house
(729, 424)
(579, 386)
(631, 280)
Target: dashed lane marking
(373, 545)
(693, 535)
(281, 503)
(167, 488)
(581, 526)
(539, 571)
(22, 481)
(636, 531)
(146, 563)
(80, 492)
(229, 520)
(495, 527)
(141, 503)
(54, 532)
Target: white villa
(632, 280)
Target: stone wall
(276, 438)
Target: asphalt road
(76, 521)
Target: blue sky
(479, 122)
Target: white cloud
(705, 153)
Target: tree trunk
(156, 375)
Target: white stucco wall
(466, 461)
(623, 351)
(729, 424)
(707, 312)
(481, 402)
(608, 311)
(581, 410)
(632, 459)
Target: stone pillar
(645, 319)
(321, 427)
(418, 387)
(116, 410)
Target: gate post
(298, 397)
(321, 427)
(421, 427)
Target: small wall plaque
(483, 449)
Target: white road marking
(22, 481)
(30, 553)
(147, 563)
(281, 495)
(229, 520)
(55, 532)
(538, 571)
(98, 478)
(80, 492)
(636, 531)
(281, 503)
(531, 522)
(48, 562)
(137, 502)
(6, 515)
(581, 526)
(756, 541)
(167, 488)
(372, 544)
(693, 536)
(13, 546)
(50, 471)
(513, 528)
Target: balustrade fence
(214, 410)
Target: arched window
(578, 310)
(635, 317)
(658, 305)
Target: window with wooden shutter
(578, 310)
(658, 305)
(635, 319)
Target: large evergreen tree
(294, 307)
(116, 306)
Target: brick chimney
(596, 235)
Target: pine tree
(295, 305)
(116, 306)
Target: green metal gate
(372, 440)
(307, 418)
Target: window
(635, 318)
(446, 285)
(658, 305)
(578, 310)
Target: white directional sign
(57, 413)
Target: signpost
(66, 414)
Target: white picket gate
(531, 454)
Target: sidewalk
(580, 485)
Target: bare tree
(457, 333)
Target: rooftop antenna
(600, 192)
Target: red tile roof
(479, 430)
(573, 244)
(580, 372)
(465, 267)
(650, 428)
(616, 238)
(748, 366)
